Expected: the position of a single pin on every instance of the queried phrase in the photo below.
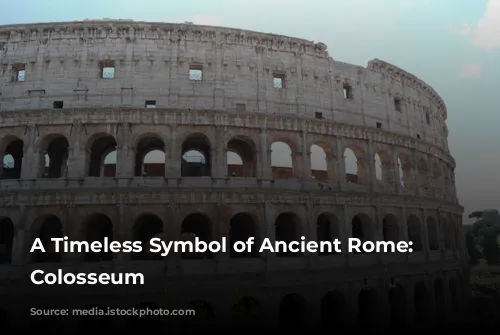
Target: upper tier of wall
(152, 61)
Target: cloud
(471, 70)
(465, 31)
(486, 33)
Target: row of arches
(287, 227)
(416, 304)
(241, 160)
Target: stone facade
(74, 92)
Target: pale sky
(453, 45)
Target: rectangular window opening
(58, 104)
(279, 80)
(18, 72)
(319, 115)
(397, 104)
(241, 107)
(379, 125)
(195, 73)
(107, 69)
(418, 136)
(428, 118)
(347, 91)
(150, 104)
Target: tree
(483, 237)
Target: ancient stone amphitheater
(130, 130)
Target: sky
(453, 45)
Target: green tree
(483, 237)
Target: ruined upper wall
(62, 62)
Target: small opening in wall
(379, 125)
(428, 118)
(418, 136)
(58, 104)
(195, 73)
(319, 115)
(347, 91)
(18, 72)
(397, 104)
(279, 80)
(150, 104)
(241, 107)
(107, 69)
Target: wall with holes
(137, 64)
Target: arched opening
(292, 312)
(445, 232)
(378, 167)
(97, 323)
(414, 232)
(353, 162)
(439, 300)
(327, 229)
(146, 227)
(6, 240)
(362, 227)
(390, 228)
(282, 159)
(397, 305)
(12, 158)
(334, 311)
(98, 227)
(319, 163)
(54, 156)
(241, 160)
(242, 226)
(150, 157)
(368, 307)
(47, 320)
(422, 303)
(50, 227)
(101, 159)
(196, 156)
(422, 172)
(248, 314)
(199, 226)
(404, 166)
(287, 229)
(432, 233)
(148, 322)
(454, 297)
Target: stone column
(331, 163)
(173, 154)
(265, 155)
(73, 230)
(372, 175)
(397, 175)
(341, 176)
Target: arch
(241, 157)
(334, 311)
(242, 226)
(439, 300)
(390, 228)
(445, 232)
(50, 226)
(404, 166)
(53, 159)
(196, 156)
(282, 160)
(422, 173)
(292, 312)
(101, 145)
(150, 156)
(327, 228)
(146, 227)
(318, 163)
(197, 225)
(147, 323)
(287, 229)
(46, 320)
(98, 227)
(6, 240)
(12, 157)
(454, 305)
(368, 307)
(421, 299)
(432, 233)
(362, 227)
(414, 232)
(378, 167)
(98, 323)
(248, 314)
(353, 164)
(397, 305)
(383, 167)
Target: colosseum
(130, 130)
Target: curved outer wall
(236, 99)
